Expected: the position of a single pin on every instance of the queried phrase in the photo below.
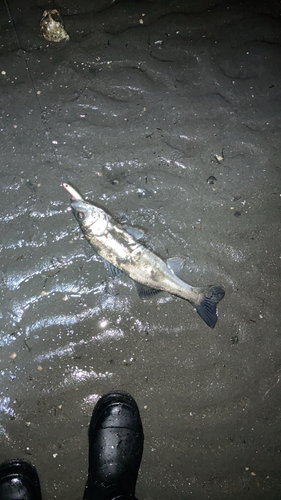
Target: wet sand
(169, 117)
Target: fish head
(92, 219)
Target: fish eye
(80, 215)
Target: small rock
(211, 179)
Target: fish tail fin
(207, 308)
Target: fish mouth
(79, 209)
(77, 204)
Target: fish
(124, 253)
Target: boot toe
(19, 481)
(116, 445)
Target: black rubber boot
(115, 448)
(19, 481)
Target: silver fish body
(151, 274)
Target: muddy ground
(168, 115)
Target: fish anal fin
(146, 291)
(176, 264)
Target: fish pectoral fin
(114, 271)
(176, 264)
(145, 291)
(137, 233)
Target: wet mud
(168, 116)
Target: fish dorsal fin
(176, 264)
(146, 291)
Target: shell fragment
(51, 26)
